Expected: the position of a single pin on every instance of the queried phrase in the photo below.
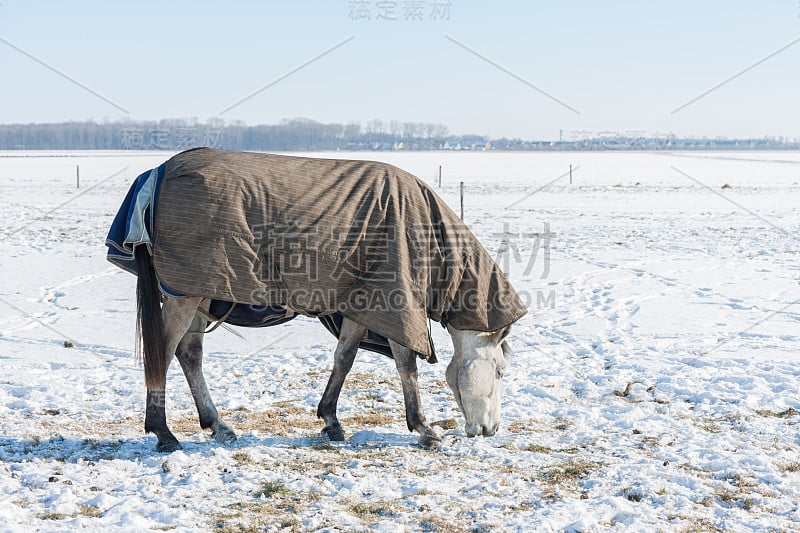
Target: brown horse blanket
(320, 236)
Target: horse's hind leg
(406, 362)
(190, 356)
(349, 338)
(177, 314)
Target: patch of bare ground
(271, 505)
(695, 525)
(280, 421)
(792, 467)
(60, 422)
(567, 474)
(373, 417)
(373, 511)
(523, 426)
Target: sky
(533, 70)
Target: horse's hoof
(430, 440)
(335, 433)
(168, 446)
(223, 434)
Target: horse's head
(474, 375)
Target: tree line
(308, 135)
(178, 134)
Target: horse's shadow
(76, 450)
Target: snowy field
(654, 384)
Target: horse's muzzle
(473, 430)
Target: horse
(459, 285)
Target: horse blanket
(316, 237)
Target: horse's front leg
(190, 356)
(177, 315)
(406, 362)
(349, 338)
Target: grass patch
(277, 507)
(287, 404)
(372, 417)
(525, 426)
(282, 421)
(789, 467)
(568, 473)
(89, 511)
(561, 423)
(537, 448)
(242, 458)
(633, 494)
(729, 498)
(54, 516)
(710, 426)
(447, 423)
(434, 524)
(787, 413)
(271, 488)
(699, 525)
(368, 511)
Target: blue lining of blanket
(134, 224)
(135, 220)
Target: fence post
(462, 200)
(570, 174)
(78, 176)
(440, 176)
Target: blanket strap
(432, 359)
(218, 321)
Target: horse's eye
(499, 372)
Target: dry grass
(54, 516)
(568, 473)
(789, 467)
(363, 380)
(730, 498)
(270, 489)
(242, 458)
(373, 417)
(279, 421)
(435, 524)
(89, 511)
(698, 525)
(368, 511)
(274, 505)
(446, 424)
(787, 413)
(633, 494)
(536, 448)
(561, 423)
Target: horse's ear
(507, 351)
(501, 334)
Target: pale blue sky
(623, 65)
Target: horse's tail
(150, 340)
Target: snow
(654, 384)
